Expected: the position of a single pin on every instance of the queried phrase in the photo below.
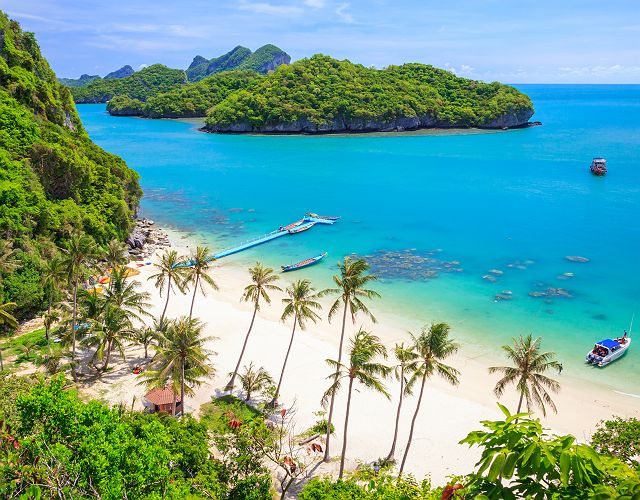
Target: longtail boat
(302, 227)
(304, 263)
(325, 217)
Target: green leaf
(496, 467)
(565, 468)
(509, 465)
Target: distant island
(324, 95)
(158, 78)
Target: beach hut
(160, 400)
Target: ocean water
(435, 212)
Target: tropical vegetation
(323, 94)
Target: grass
(25, 347)
(216, 415)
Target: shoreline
(448, 415)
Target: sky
(513, 41)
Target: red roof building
(162, 399)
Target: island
(323, 95)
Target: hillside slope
(324, 95)
(53, 179)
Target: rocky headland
(145, 239)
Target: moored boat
(598, 166)
(608, 350)
(304, 263)
(302, 227)
(325, 217)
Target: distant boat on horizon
(599, 166)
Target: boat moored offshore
(608, 350)
(598, 166)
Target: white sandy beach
(447, 414)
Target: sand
(447, 415)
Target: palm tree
(431, 347)
(171, 272)
(350, 288)
(262, 282)
(301, 305)
(80, 249)
(7, 257)
(108, 334)
(197, 272)
(114, 253)
(253, 380)
(123, 294)
(7, 319)
(145, 336)
(50, 277)
(404, 369)
(362, 367)
(527, 374)
(181, 357)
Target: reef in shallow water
(409, 264)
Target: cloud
(598, 70)
(341, 12)
(269, 8)
(142, 66)
(316, 4)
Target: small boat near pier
(304, 263)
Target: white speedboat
(608, 350)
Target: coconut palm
(170, 273)
(108, 334)
(50, 277)
(431, 347)
(145, 336)
(197, 273)
(351, 283)
(253, 380)
(7, 257)
(7, 320)
(302, 305)
(79, 251)
(363, 368)
(123, 294)
(262, 282)
(115, 253)
(406, 366)
(181, 357)
(527, 374)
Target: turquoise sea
(434, 211)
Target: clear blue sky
(515, 41)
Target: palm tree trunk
(73, 329)
(1, 363)
(182, 386)
(413, 423)
(284, 365)
(146, 355)
(519, 405)
(346, 425)
(164, 311)
(193, 299)
(229, 386)
(395, 432)
(107, 356)
(47, 323)
(333, 395)
(175, 398)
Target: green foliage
(78, 82)
(519, 460)
(87, 449)
(26, 347)
(216, 414)
(369, 485)
(266, 58)
(619, 438)
(195, 99)
(53, 179)
(141, 85)
(322, 93)
(123, 105)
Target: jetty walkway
(307, 222)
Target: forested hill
(323, 95)
(140, 85)
(53, 179)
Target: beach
(447, 414)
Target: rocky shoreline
(145, 239)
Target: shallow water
(435, 213)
